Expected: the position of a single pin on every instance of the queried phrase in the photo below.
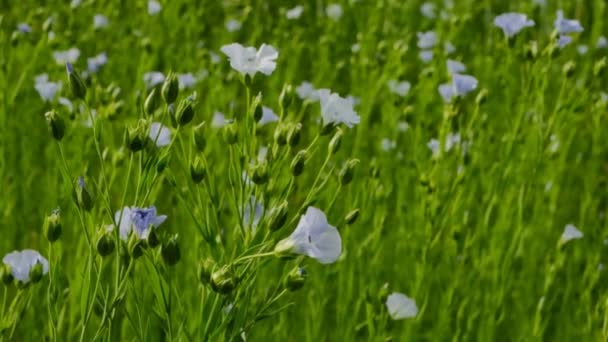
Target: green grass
(472, 233)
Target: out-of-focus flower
(160, 134)
(334, 11)
(24, 28)
(153, 78)
(400, 306)
(306, 91)
(566, 26)
(460, 86)
(68, 56)
(512, 23)
(100, 21)
(564, 41)
(602, 42)
(570, 233)
(428, 10)
(455, 67)
(187, 80)
(426, 40)
(295, 12)
(426, 55)
(219, 120)
(399, 88)
(336, 109)
(233, 25)
(95, 63)
(45, 88)
(268, 116)
(154, 7)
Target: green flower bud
(36, 273)
(79, 90)
(335, 142)
(56, 124)
(119, 157)
(82, 196)
(280, 134)
(205, 269)
(531, 50)
(259, 173)
(135, 246)
(170, 252)
(200, 141)
(569, 68)
(153, 240)
(286, 97)
(297, 164)
(231, 133)
(137, 136)
(152, 102)
(185, 110)
(383, 293)
(52, 226)
(223, 280)
(481, 97)
(106, 244)
(198, 170)
(296, 279)
(170, 88)
(258, 111)
(162, 162)
(278, 216)
(347, 172)
(352, 216)
(284, 249)
(6, 274)
(293, 135)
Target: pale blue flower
(248, 60)
(138, 220)
(428, 10)
(582, 49)
(95, 63)
(24, 28)
(295, 12)
(400, 306)
(566, 26)
(449, 48)
(45, 88)
(100, 21)
(306, 91)
(463, 84)
(512, 23)
(153, 78)
(187, 80)
(334, 11)
(67, 56)
(22, 262)
(160, 134)
(602, 42)
(233, 25)
(219, 120)
(268, 116)
(455, 67)
(336, 109)
(426, 40)
(258, 211)
(570, 233)
(446, 92)
(66, 103)
(564, 41)
(154, 7)
(426, 55)
(314, 237)
(399, 88)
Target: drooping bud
(294, 134)
(170, 252)
(297, 164)
(52, 226)
(79, 90)
(36, 272)
(198, 171)
(185, 110)
(296, 279)
(200, 141)
(106, 244)
(170, 88)
(286, 97)
(56, 124)
(259, 172)
(230, 132)
(348, 171)
(205, 269)
(152, 102)
(352, 216)
(223, 280)
(137, 136)
(82, 196)
(335, 142)
(278, 216)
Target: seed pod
(205, 269)
(200, 141)
(36, 272)
(106, 244)
(348, 171)
(197, 170)
(298, 162)
(259, 173)
(185, 110)
(230, 133)
(335, 142)
(137, 136)
(152, 101)
(293, 135)
(170, 252)
(296, 279)
(223, 280)
(82, 196)
(352, 216)
(52, 226)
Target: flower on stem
(570, 233)
(248, 60)
(313, 237)
(24, 265)
(336, 110)
(140, 221)
(512, 23)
